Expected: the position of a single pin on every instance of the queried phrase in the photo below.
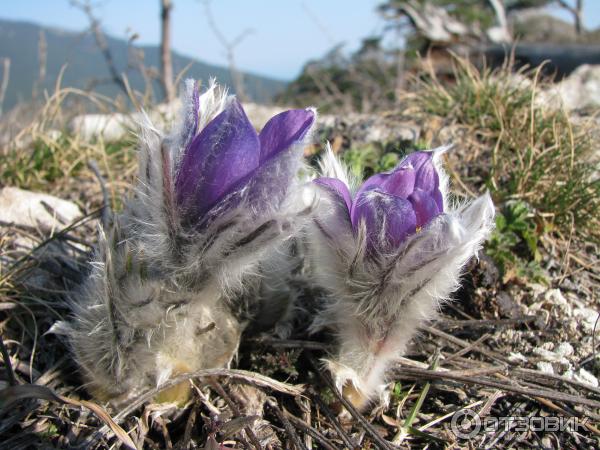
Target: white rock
(581, 89)
(117, 126)
(259, 114)
(369, 128)
(552, 300)
(546, 354)
(549, 346)
(27, 208)
(537, 289)
(23, 208)
(555, 297)
(564, 349)
(584, 376)
(108, 127)
(587, 318)
(545, 367)
(516, 357)
(559, 355)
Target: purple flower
(393, 205)
(228, 158)
(384, 275)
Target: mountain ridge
(19, 42)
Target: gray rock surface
(361, 129)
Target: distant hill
(19, 42)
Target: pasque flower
(179, 274)
(387, 252)
(228, 156)
(394, 205)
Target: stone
(31, 218)
(259, 114)
(545, 367)
(361, 129)
(108, 127)
(587, 318)
(579, 90)
(583, 376)
(117, 126)
(36, 210)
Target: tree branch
(95, 27)
(166, 64)
(237, 77)
(5, 78)
(575, 11)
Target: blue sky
(285, 33)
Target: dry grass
(514, 144)
(43, 154)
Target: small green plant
(514, 243)
(50, 431)
(53, 163)
(378, 156)
(44, 164)
(327, 395)
(281, 362)
(397, 393)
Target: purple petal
(427, 177)
(416, 159)
(338, 188)
(439, 199)
(425, 207)
(265, 187)
(400, 182)
(224, 152)
(388, 219)
(375, 181)
(283, 130)
(372, 182)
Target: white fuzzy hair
(162, 298)
(331, 167)
(375, 305)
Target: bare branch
(237, 77)
(166, 64)
(95, 27)
(5, 78)
(320, 24)
(575, 11)
(135, 60)
(42, 62)
(432, 21)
